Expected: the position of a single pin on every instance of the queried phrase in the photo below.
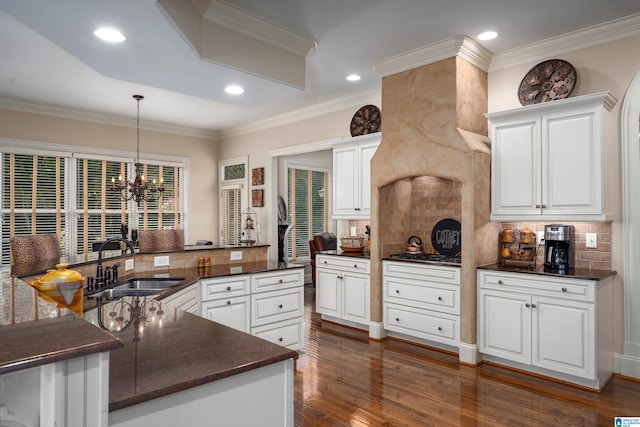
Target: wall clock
(547, 81)
(366, 120)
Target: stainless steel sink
(138, 287)
(148, 283)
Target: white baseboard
(468, 353)
(376, 331)
(629, 366)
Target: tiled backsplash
(597, 258)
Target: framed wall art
(257, 176)
(257, 198)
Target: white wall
(259, 144)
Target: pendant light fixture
(139, 188)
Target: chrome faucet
(100, 276)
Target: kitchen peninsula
(183, 368)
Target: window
(70, 194)
(233, 200)
(308, 207)
(34, 198)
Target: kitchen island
(183, 368)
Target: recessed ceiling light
(110, 35)
(234, 90)
(487, 35)
(353, 77)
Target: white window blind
(233, 199)
(98, 214)
(34, 198)
(308, 208)
(231, 214)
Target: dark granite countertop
(180, 352)
(185, 351)
(40, 342)
(363, 254)
(572, 273)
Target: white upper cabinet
(548, 160)
(352, 177)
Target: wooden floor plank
(343, 379)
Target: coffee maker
(558, 255)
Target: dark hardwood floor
(343, 379)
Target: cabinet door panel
(355, 297)
(571, 164)
(345, 177)
(563, 337)
(505, 325)
(232, 312)
(328, 292)
(366, 154)
(516, 169)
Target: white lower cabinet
(342, 289)
(549, 325)
(421, 302)
(186, 299)
(269, 305)
(226, 300)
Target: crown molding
(461, 46)
(234, 18)
(358, 100)
(581, 39)
(66, 113)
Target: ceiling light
(139, 187)
(234, 90)
(110, 35)
(487, 35)
(353, 77)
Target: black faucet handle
(114, 269)
(107, 274)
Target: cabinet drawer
(275, 306)
(224, 287)
(423, 272)
(288, 333)
(272, 281)
(439, 327)
(343, 263)
(422, 294)
(581, 290)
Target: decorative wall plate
(547, 81)
(366, 120)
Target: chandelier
(139, 188)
